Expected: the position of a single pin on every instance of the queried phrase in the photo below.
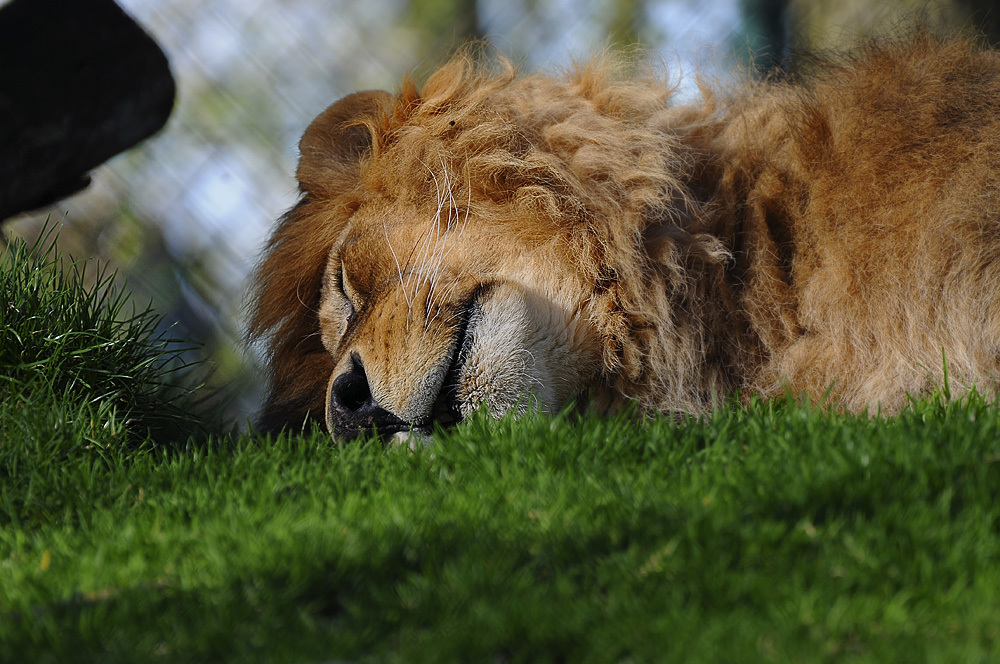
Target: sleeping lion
(513, 242)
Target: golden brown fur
(835, 233)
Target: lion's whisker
(399, 269)
(444, 297)
(428, 256)
(441, 241)
(468, 207)
(424, 246)
(298, 296)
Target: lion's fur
(834, 232)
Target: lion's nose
(351, 409)
(350, 392)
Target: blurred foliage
(445, 21)
(765, 24)
(828, 24)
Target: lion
(515, 242)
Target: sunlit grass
(773, 532)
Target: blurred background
(183, 216)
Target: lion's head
(495, 241)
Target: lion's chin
(412, 439)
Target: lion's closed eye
(349, 293)
(339, 305)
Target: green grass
(67, 335)
(768, 533)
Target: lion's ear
(332, 147)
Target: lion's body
(499, 239)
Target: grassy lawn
(768, 533)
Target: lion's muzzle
(351, 409)
(399, 367)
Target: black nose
(351, 409)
